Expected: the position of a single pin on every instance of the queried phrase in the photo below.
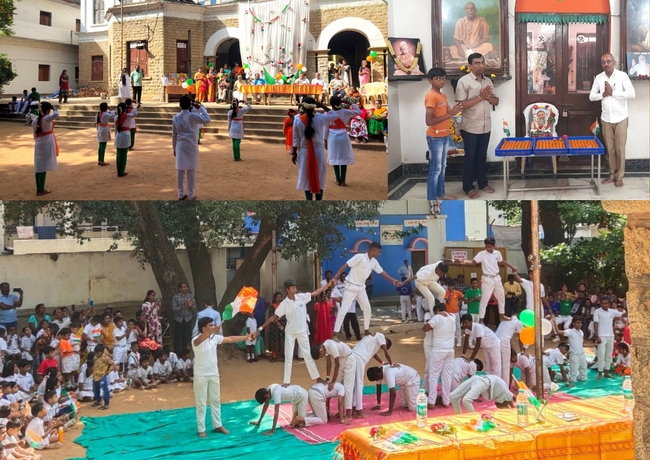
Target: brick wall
(86, 51)
(211, 27)
(176, 29)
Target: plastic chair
(540, 129)
(372, 91)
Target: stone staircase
(262, 123)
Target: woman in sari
(202, 83)
(144, 338)
(212, 88)
(364, 73)
(378, 119)
(151, 311)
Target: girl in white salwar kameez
(124, 90)
(185, 144)
(236, 126)
(339, 147)
(46, 148)
(103, 131)
(309, 131)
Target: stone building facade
(157, 28)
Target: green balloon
(190, 81)
(527, 317)
(227, 313)
(284, 78)
(373, 53)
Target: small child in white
(115, 382)
(526, 366)
(553, 357)
(162, 369)
(184, 366)
(145, 373)
(13, 446)
(13, 344)
(251, 328)
(26, 343)
(39, 436)
(294, 394)
(120, 350)
(85, 390)
(577, 358)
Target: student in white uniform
(236, 126)
(345, 367)
(361, 265)
(124, 90)
(294, 309)
(130, 120)
(184, 143)
(604, 332)
(405, 377)
(339, 148)
(46, 148)
(526, 366)
(294, 394)
(439, 361)
(577, 358)
(505, 332)
(490, 260)
(428, 346)
(363, 352)
(527, 286)
(122, 138)
(251, 327)
(103, 131)
(555, 357)
(426, 282)
(121, 349)
(461, 369)
(309, 130)
(484, 338)
(490, 387)
(319, 400)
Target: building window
(98, 11)
(78, 25)
(43, 72)
(46, 19)
(97, 73)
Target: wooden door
(97, 68)
(417, 260)
(138, 57)
(181, 56)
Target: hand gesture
(396, 283)
(395, 365)
(485, 93)
(455, 109)
(330, 386)
(467, 360)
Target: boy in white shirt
(345, 367)
(26, 343)
(13, 344)
(428, 346)
(25, 380)
(92, 333)
(505, 332)
(604, 332)
(361, 265)
(184, 365)
(294, 394)
(526, 365)
(577, 358)
(145, 373)
(460, 369)
(251, 328)
(319, 400)
(49, 438)
(162, 369)
(490, 387)
(363, 352)
(484, 338)
(403, 376)
(556, 357)
(443, 327)
(427, 282)
(120, 350)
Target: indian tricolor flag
(595, 127)
(244, 302)
(34, 440)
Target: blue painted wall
(455, 224)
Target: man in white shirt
(294, 308)
(439, 361)
(527, 286)
(426, 281)
(405, 270)
(490, 387)
(345, 366)
(613, 88)
(361, 265)
(206, 373)
(363, 352)
(207, 312)
(484, 338)
(460, 369)
(403, 376)
(490, 260)
(60, 319)
(317, 80)
(604, 333)
(294, 394)
(505, 332)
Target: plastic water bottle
(522, 409)
(628, 397)
(627, 384)
(421, 419)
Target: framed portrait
(461, 28)
(635, 37)
(405, 59)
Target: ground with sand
(265, 172)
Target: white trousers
(440, 368)
(207, 387)
(456, 379)
(604, 351)
(347, 376)
(565, 320)
(492, 360)
(303, 344)
(359, 371)
(299, 403)
(420, 305)
(427, 352)
(405, 305)
(577, 367)
(505, 360)
(318, 406)
(408, 394)
(352, 293)
(468, 392)
(491, 286)
(459, 334)
(191, 181)
(431, 292)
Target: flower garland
(414, 66)
(457, 138)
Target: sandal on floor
(95, 404)
(103, 408)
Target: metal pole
(537, 305)
(274, 263)
(122, 24)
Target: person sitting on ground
(163, 370)
(489, 387)
(145, 373)
(184, 366)
(623, 361)
(46, 438)
(556, 357)
(13, 446)
(319, 400)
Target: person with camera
(8, 304)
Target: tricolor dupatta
(312, 162)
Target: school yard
(265, 172)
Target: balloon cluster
(527, 335)
(372, 56)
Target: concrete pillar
(437, 236)
(321, 57)
(637, 268)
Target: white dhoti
(440, 368)
(431, 291)
(489, 286)
(353, 292)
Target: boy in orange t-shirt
(438, 119)
(452, 301)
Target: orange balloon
(527, 336)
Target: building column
(437, 236)
(637, 269)
(320, 60)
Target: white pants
(440, 368)
(456, 379)
(604, 351)
(491, 286)
(207, 386)
(352, 293)
(405, 304)
(427, 352)
(191, 181)
(505, 359)
(408, 394)
(347, 375)
(492, 360)
(459, 334)
(299, 403)
(431, 292)
(469, 391)
(359, 371)
(565, 320)
(303, 344)
(318, 406)
(577, 367)
(420, 306)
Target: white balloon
(184, 85)
(303, 70)
(547, 327)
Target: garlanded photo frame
(465, 27)
(635, 39)
(405, 60)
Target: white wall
(407, 142)
(64, 16)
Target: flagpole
(537, 306)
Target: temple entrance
(351, 46)
(228, 53)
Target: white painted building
(44, 43)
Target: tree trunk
(201, 265)
(525, 228)
(550, 219)
(158, 251)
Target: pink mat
(330, 431)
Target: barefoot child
(120, 350)
(38, 436)
(363, 352)
(162, 369)
(294, 394)
(133, 367)
(236, 126)
(319, 397)
(184, 365)
(403, 376)
(623, 361)
(345, 369)
(103, 365)
(69, 358)
(103, 131)
(556, 357)
(577, 358)
(46, 149)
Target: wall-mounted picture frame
(635, 38)
(462, 28)
(405, 60)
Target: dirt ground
(265, 172)
(236, 384)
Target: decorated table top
(282, 89)
(580, 429)
(540, 146)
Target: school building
(167, 37)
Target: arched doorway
(351, 46)
(228, 52)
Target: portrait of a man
(405, 58)
(638, 26)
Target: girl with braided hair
(103, 131)
(122, 138)
(236, 126)
(124, 90)
(46, 148)
(339, 147)
(309, 130)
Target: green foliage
(510, 208)
(7, 10)
(7, 73)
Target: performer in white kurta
(505, 332)
(185, 144)
(236, 126)
(484, 338)
(339, 147)
(308, 149)
(124, 90)
(460, 369)
(319, 400)
(103, 131)
(363, 352)
(344, 369)
(490, 387)
(443, 326)
(426, 281)
(361, 265)
(46, 148)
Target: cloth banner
(507, 237)
(274, 35)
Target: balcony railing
(39, 32)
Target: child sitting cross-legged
(146, 373)
(184, 366)
(623, 362)
(13, 446)
(40, 436)
(115, 382)
(85, 390)
(162, 369)
(54, 413)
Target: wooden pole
(274, 263)
(537, 305)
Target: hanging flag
(595, 128)
(244, 302)
(268, 78)
(506, 128)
